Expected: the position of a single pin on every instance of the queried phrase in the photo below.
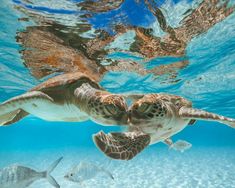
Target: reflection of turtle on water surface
(153, 118)
(174, 43)
(52, 47)
(45, 53)
(71, 97)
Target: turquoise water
(208, 81)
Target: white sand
(156, 167)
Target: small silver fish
(181, 145)
(85, 171)
(16, 176)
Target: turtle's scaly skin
(156, 106)
(163, 115)
(107, 108)
(71, 97)
(157, 115)
(121, 145)
(153, 118)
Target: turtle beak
(134, 117)
(124, 118)
(129, 116)
(66, 176)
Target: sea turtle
(153, 118)
(71, 97)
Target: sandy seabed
(153, 168)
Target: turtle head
(156, 108)
(101, 106)
(108, 109)
(150, 109)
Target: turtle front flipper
(192, 113)
(18, 107)
(122, 146)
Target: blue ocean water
(208, 81)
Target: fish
(181, 145)
(85, 171)
(16, 176)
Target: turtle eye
(144, 107)
(111, 109)
(177, 103)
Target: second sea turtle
(153, 118)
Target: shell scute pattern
(66, 79)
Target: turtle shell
(68, 80)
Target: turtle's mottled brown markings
(100, 6)
(67, 79)
(58, 51)
(157, 12)
(206, 15)
(204, 115)
(176, 40)
(145, 130)
(121, 145)
(46, 53)
(48, 50)
(67, 97)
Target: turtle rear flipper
(123, 146)
(192, 113)
(12, 117)
(13, 110)
(192, 122)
